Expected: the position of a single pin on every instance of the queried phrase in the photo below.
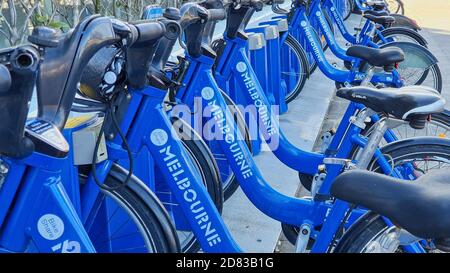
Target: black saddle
(377, 12)
(407, 103)
(380, 57)
(377, 5)
(385, 20)
(422, 207)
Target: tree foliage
(18, 17)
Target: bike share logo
(207, 93)
(325, 27)
(51, 227)
(311, 40)
(261, 106)
(160, 138)
(241, 67)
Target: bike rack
(275, 88)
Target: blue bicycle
(145, 133)
(45, 206)
(420, 67)
(195, 80)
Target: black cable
(342, 225)
(110, 113)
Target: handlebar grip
(24, 64)
(211, 4)
(149, 31)
(217, 14)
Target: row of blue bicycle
(168, 137)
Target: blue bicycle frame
(37, 214)
(301, 28)
(199, 82)
(361, 39)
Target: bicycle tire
(365, 229)
(135, 198)
(393, 31)
(441, 147)
(300, 56)
(438, 120)
(400, 9)
(351, 5)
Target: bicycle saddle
(377, 4)
(422, 207)
(405, 103)
(377, 12)
(381, 20)
(380, 57)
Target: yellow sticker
(77, 121)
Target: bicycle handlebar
(217, 14)
(17, 83)
(149, 31)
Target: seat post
(368, 78)
(365, 157)
(380, 128)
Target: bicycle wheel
(349, 5)
(423, 158)
(396, 6)
(437, 126)
(130, 219)
(366, 235)
(400, 34)
(205, 164)
(293, 64)
(416, 69)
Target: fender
(400, 144)
(139, 188)
(415, 34)
(406, 22)
(424, 58)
